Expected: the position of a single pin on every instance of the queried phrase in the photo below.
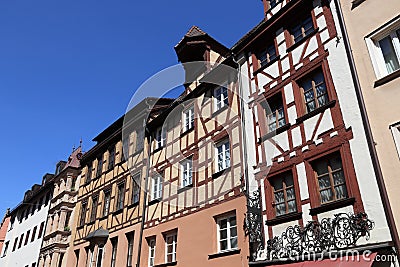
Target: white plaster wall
(26, 255)
(351, 114)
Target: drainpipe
(145, 196)
(368, 132)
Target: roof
(195, 31)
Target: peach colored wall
(3, 231)
(382, 102)
(197, 237)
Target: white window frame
(187, 171)
(174, 246)
(395, 129)
(229, 236)
(152, 252)
(372, 41)
(220, 98)
(160, 137)
(226, 150)
(156, 187)
(188, 118)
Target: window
(275, 113)
(111, 157)
(120, 196)
(186, 172)
(93, 212)
(27, 237)
(152, 251)
(33, 233)
(267, 55)
(41, 228)
(220, 97)
(76, 257)
(15, 243)
(139, 140)
(170, 247)
(82, 216)
(12, 223)
(90, 258)
(330, 178)
(21, 239)
(188, 119)
(100, 251)
(227, 233)
(160, 137)
(129, 259)
(396, 136)
(284, 194)
(314, 91)
(60, 259)
(302, 29)
(106, 204)
(99, 169)
(223, 155)
(67, 219)
(89, 173)
(114, 244)
(125, 148)
(157, 186)
(135, 189)
(6, 248)
(274, 3)
(34, 264)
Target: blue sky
(69, 68)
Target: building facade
(4, 228)
(57, 237)
(27, 225)
(107, 229)
(373, 32)
(312, 176)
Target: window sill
(117, 211)
(284, 218)
(154, 201)
(133, 205)
(173, 263)
(273, 133)
(187, 131)
(295, 45)
(220, 110)
(224, 253)
(315, 111)
(332, 205)
(183, 189)
(387, 78)
(217, 174)
(266, 65)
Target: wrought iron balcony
(338, 233)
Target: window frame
(390, 29)
(135, 185)
(332, 186)
(220, 101)
(188, 112)
(93, 210)
(186, 169)
(267, 107)
(228, 238)
(82, 214)
(120, 198)
(266, 50)
(304, 32)
(106, 204)
(99, 167)
(160, 137)
(174, 245)
(282, 176)
(226, 144)
(158, 180)
(114, 248)
(130, 237)
(111, 157)
(151, 242)
(139, 143)
(89, 173)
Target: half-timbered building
(110, 202)
(311, 172)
